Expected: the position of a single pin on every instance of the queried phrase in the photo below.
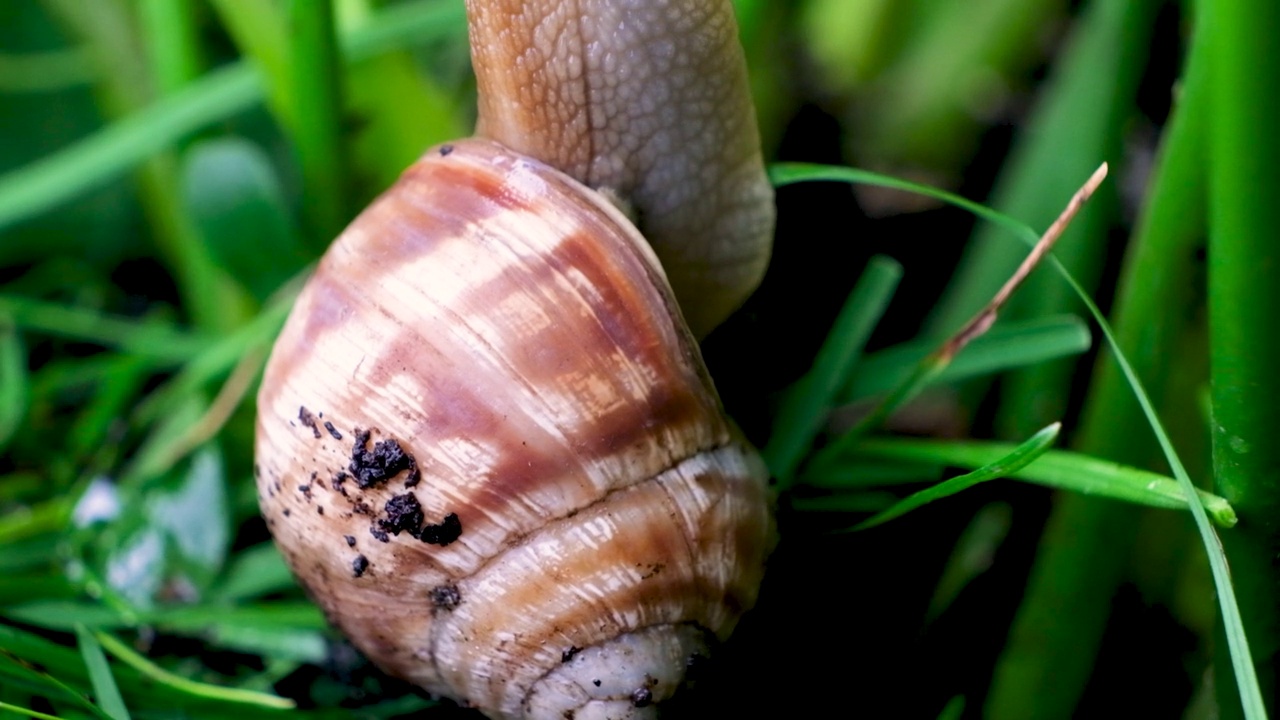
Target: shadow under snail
(487, 444)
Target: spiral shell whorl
(509, 332)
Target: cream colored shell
(515, 337)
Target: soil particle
(333, 431)
(567, 655)
(351, 540)
(445, 597)
(379, 535)
(287, 512)
(387, 459)
(403, 514)
(596, 682)
(642, 697)
(447, 531)
(308, 420)
(359, 565)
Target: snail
(487, 444)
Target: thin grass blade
(1008, 464)
(1059, 469)
(125, 654)
(805, 406)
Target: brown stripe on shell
(435, 377)
(652, 569)
(454, 406)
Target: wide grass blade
(104, 684)
(1244, 314)
(315, 69)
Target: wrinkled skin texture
(647, 101)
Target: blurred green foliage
(169, 171)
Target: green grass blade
(316, 73)
(173, 42)
(47, 71)
(805, 406)
(1007, 345)
(104, 684)
(216, 96)
(1078, 122)
(405, 24)
(14, 390)
(1250, 691)
(220, 357)
(1244, 306)
(1085, 550)
(1006, 465)
(1059, 469)
(125, 654)
(91, 162)
(28, 712)
(954, 709)
(156, 340)
(39, 663)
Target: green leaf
(235, 199)
(171, 536)
(255, 571)
(104, 685)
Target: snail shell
(488, 447)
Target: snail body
(487, 444)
